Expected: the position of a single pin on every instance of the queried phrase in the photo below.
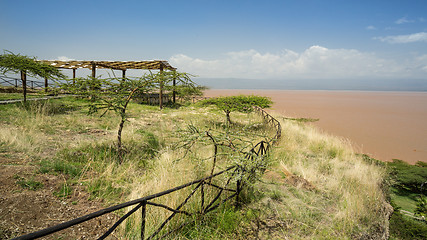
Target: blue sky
(305, 39)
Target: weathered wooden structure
(115, 65)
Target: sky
(271, 40)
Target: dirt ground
(23, 211)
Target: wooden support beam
(174, 92)
(45, 84)
(74, 76)
(161, 88)
(124, 74)
(93, 69)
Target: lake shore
(384, 125)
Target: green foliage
(421, 164)
(153, 144)
(71, 168)
(28, 184)
(239, 103)
(402, 227)
(411, 177)
(184, 86)
(103, 188)
(15, 63)
(421, 209)
(64, 191)
(46, 107)
(223, 224)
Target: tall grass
(348, 200)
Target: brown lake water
(384, 125)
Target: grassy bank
(315, 186)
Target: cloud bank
(316, 62)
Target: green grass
(29, 184)
(64, 191)
(406, 200)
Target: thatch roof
(118, 65)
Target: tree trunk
(228, 117)
(119, 137)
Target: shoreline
(382, 124)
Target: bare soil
(23, 211)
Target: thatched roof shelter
(117, 65)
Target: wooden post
(93, 75)
(124, 74)
(161, 88)
(143, 210)
(45, 84)
(174, 92)
(202, 193)
(238, 189)
(74, 76)
(93, 70)
(24, 84)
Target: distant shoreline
(383, 124)
(317, 90)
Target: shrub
(411, 177)
(239, 103)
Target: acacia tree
(239, 103)
(114, 94)
(180, 84)
(16, 63)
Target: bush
(410, 177)
(402, 227)
(239, 103)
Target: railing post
(237, 204)
(202, 192)
(143, 213)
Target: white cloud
(370, 27)
(316, 62)
(415, 37)
(403, 20)
(64, 58)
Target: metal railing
(227, 192)
(17, 82)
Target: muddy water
(384, 125)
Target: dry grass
(347, 200)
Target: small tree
(180, 84)
(114, 94)
(16, 63)
(239, 103)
